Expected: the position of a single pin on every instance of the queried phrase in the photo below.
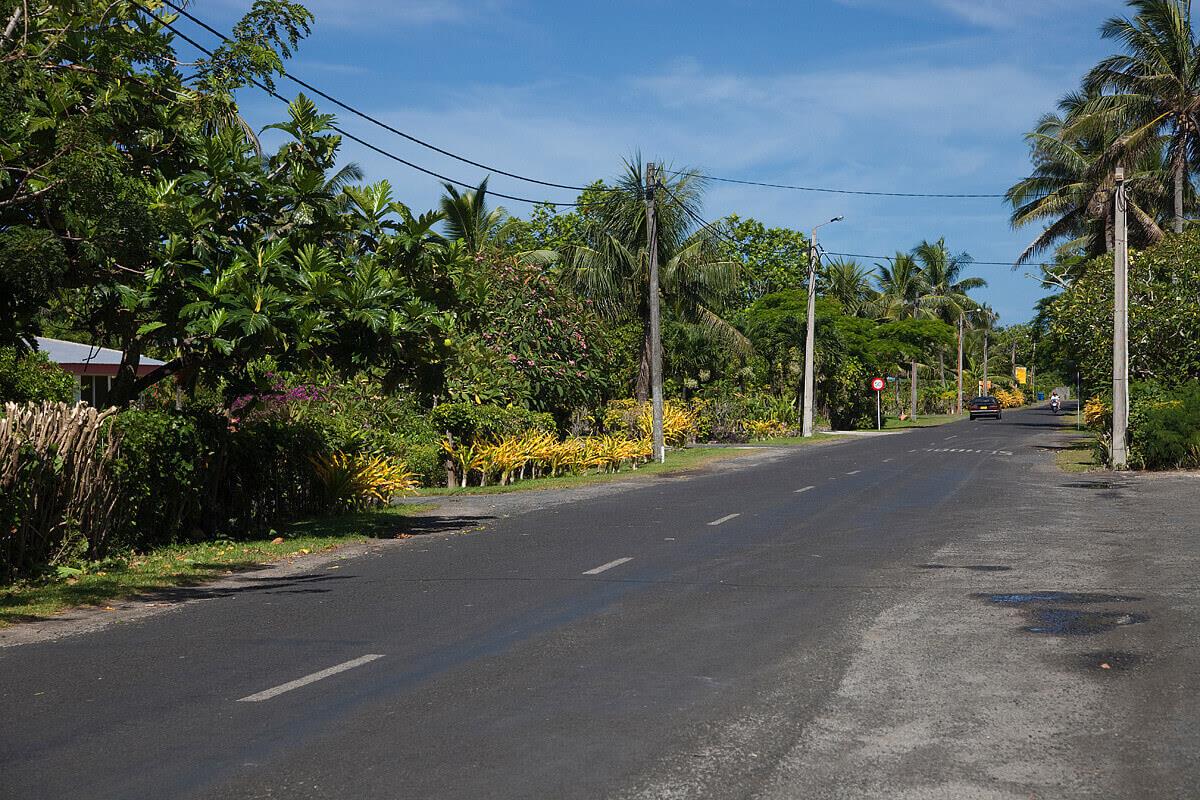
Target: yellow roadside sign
(1022, 375)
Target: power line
(375, 121)
(517, 176)
(971, 263)
(796, 188)
(347, 134)
(718, 232)
(699, 219)
(845, 191)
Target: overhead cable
(376, 121)
(825, 190)
(347, 134)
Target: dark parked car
(984, 407)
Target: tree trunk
(913, 392)
(1180, 179)
(942, 367)
(642, 389)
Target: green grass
(1078, 455)
(689, 459)
(921, 422)
(816, 438)
(192, 564)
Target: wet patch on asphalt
(1073, 622)
(1071, 598)
(1045, 615)
(970, 567)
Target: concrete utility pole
(987, 385)
(810, 337)
(961, 316)
(1120, 452)
(656, 379)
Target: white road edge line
(723, 519)
(608, 566)
(805, 489)
(307, 679)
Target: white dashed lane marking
(854, 472)
(805, 489)
(723, 519)
(608, 566)
(275, 691)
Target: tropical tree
(1155, 89)
(1071, 187)
(849, 283)
(696, 275)
(946, 297)
(902, 288)
(772, 259)
(468, 219)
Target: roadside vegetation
(131, 574)
(327, 348)
(1135, 109)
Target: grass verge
(191, 564)
(921, 422)
(816, 438)
(1077, 455)
(677, 461)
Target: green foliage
(1164, 316)
(469, 422)
(31, 377)
(94, 116)
(33, 264)
(160, 467)
(524, 340)
(772, 259)
(1165, 426)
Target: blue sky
(886, 95)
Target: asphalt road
(935, 614)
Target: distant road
(935, 614)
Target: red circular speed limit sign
(878, 384)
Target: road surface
(935, 614)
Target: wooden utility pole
(810, 333)
(1120, 452)
(656, 379)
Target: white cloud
(998, 14)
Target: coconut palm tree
(902, 286)
(849, 283)
(946, 297)
(1070, 190)
(1155, 89)
(468, 219)
(612, 268)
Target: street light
(810, 335)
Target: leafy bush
(1165, 427)
(1097, 414)
(160, 467)
(634, 420)
(1009, 398)
(425, 461)
(33, 378)
(353, 481)
(470, 422)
